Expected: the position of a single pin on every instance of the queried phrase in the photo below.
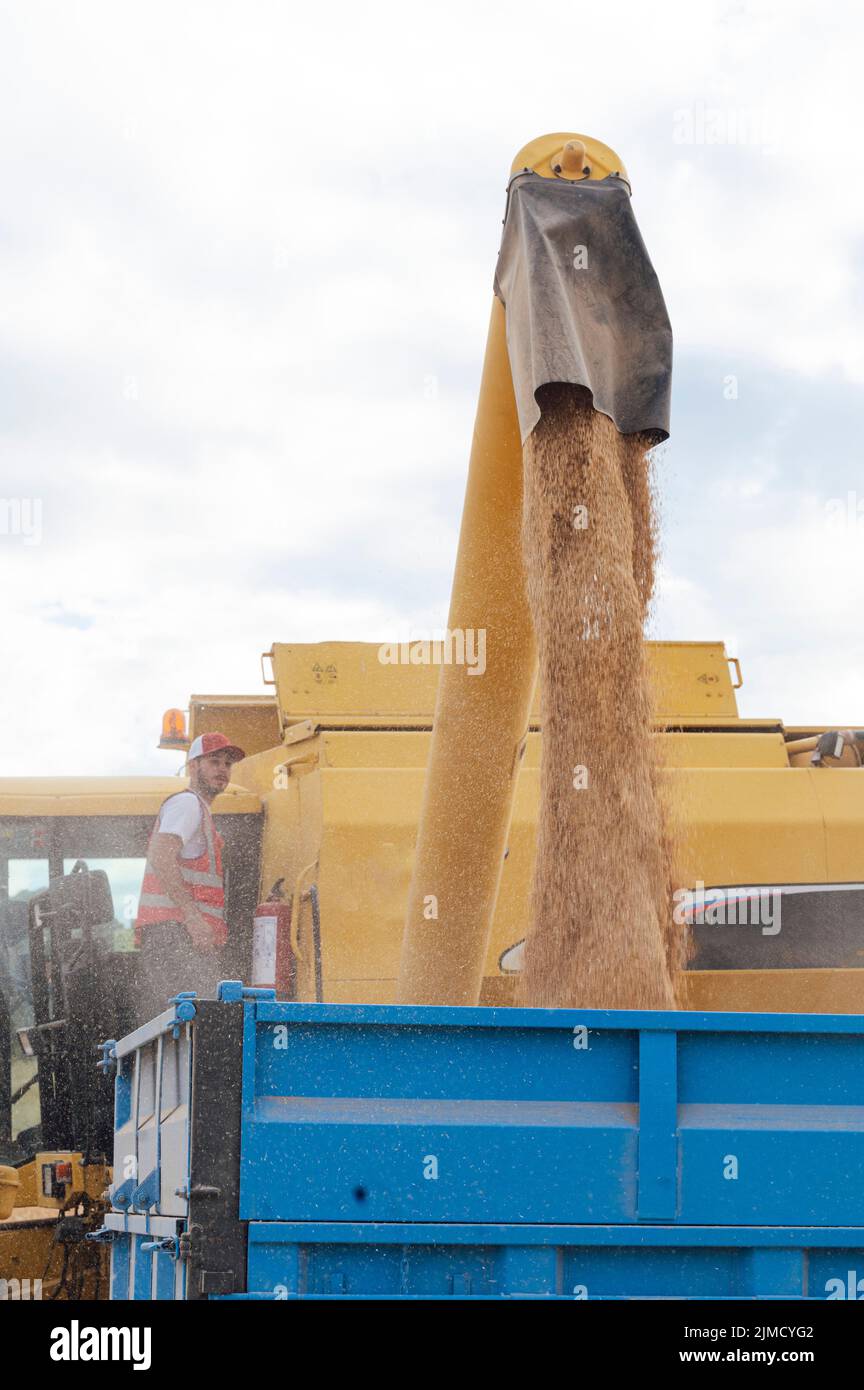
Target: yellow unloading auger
(481, 720)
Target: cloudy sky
(246, 254)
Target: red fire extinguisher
(274, 964)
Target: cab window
(125, 876)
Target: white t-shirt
(182, 815)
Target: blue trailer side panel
(386, 1152)
(457, 1115)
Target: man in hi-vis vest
(181, 925)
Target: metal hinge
(103, 1235)
(165, 1245)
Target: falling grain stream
(602, 933)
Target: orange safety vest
(203, 875)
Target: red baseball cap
(213, 743)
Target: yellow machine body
(342, 798)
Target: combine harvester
(370, 1117)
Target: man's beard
(210, 789)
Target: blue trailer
(268, 1150)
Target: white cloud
(245, 275)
